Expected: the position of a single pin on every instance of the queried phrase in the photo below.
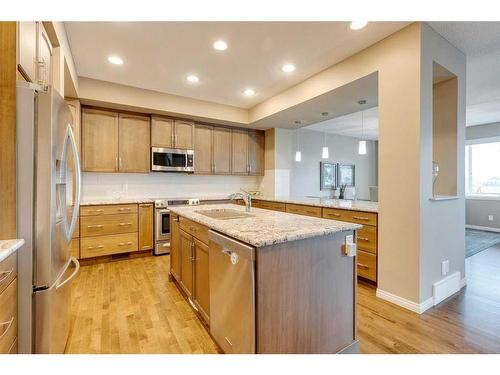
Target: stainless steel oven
(172, 160)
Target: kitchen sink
(224, 214)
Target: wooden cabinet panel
(222, 150)
(196, 230)
(107, 245)
(8, 316)
(13, 348)
(27, 41)
(239, 152)
(183, 134)
(75, 108)
(44, 74)
(175, 258)
(108, 209)
(162, 131)
(75, 248)
(186, 249)
(146, 226)
(268, 205)
(99, 141)
(76, 233)
(367, 265)
(8, 271)
(134, 143)
(256, 144)
(201, 280)
(107, 224)
(303, 210)
(203, 156)
(359, 217)
(367, 239)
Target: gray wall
(477, 210)
(304, 176)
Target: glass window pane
(483, 169)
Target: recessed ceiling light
(288, 68)
(249, 92)
(115, 60)
(192, 78)
(357, 25)
(220, 45)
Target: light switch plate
(490, 217)
(445, 267)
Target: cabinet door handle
(124, 224)
(361, 265)
(360, 218)
(96, 247)
(120, 164)
(5, 275)
(95, 226)
(363, 239)
(8, 323)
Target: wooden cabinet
(162, 130)
(75, 248)
(8, 305)
(195, 229)
(99, 141)
(367, 265)
(203, 155)
(75, 108)
(269, 205)
(146, 226)
(27, 42)
(186, 245)
(201, 279)
(175, 254)
(239, 152)
(221, 150)
(183, 134)
(133, 143)
(108, 209)
(256, 144)
(300, 209)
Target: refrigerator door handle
(72, 276)
(78, 182)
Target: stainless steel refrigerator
(48, 196)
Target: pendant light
(324, 152)
(362, 142)
(298, 154)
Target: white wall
(305, 175)
(164, 185)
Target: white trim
(483, 197)
(418, 308)
(478, 227)
(446, 287)
(463, 283)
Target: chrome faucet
(246, 196)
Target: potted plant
(342, 191)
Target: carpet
(479, 240)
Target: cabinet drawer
(108, 209)
(75, 248)
(194, 229)
(106, 245)
(8, 317)
(367, 265)
(367, 239)
(268, 205)
(8, 271)
(108, 224)
(359, 217)
(303, 210)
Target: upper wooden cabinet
(162, 130)
(221, 151)
(99, 141)
(27, 42)
(203, 153)
(75, 108)
(183, 134)
(146, 226)
(256, 144)
(239, 152)
(133, 143)
(168, 133)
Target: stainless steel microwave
(172, 160)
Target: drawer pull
(5, 275)
(361, 265)
(8, 324)
(363, 239)
(124, 224)
(99, 210)
(95, 226)
(334, 214)
(95, 247)
(124, 243)
(124, 209)
(360, 218)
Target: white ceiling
(480, 41)
(159, 55)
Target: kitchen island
(266, 281)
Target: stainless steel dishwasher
(232, 294)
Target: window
(482, 166)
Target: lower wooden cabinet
(367, 265)
(8, 305)
(75, 248)
(175, 254)
(268, 205)
(186, 251)
(300, 209)
(146, 241)
(201, 280)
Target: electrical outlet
(445, 267)
(490, 217)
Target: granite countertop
(358, 205)
(8, 247)
(264, 227)
(99, 201)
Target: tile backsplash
(163, 185)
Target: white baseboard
(446, 287)
(478, 227)
(419, 308)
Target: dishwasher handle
(231, 246)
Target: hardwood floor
(130, 307)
